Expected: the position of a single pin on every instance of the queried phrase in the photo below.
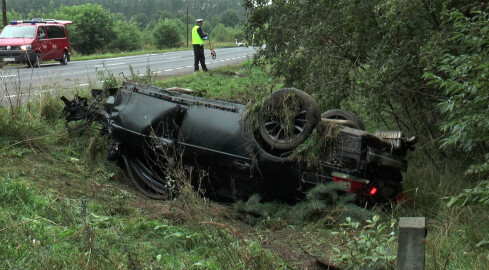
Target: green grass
(239, 84)
(63, 205)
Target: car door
(56, 38)
(42, 43)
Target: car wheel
(145, 179)
(344, 115)
(64, 60)
(37, 62)
(287, 118)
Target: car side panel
(214, 136)
(209, 135)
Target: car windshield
(19, 32)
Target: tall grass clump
(231, 250)
(242, 83)
(457, 236)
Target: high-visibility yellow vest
(196, 39)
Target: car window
(55, 32)
(40, 31)
(19, 32)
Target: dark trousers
(199, 57)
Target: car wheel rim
(285, 129)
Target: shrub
(166, 34)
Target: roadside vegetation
(102, 28)
(63, 205)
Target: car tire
(344, 115)
(37, 61)
(287, 118)
(64, 60)
(145, 180)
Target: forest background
(101, 26)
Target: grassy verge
(62, 205)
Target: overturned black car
(279, 148)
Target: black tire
(147, 180)
(64, 59)
(37, 61)
(344, 115)
(287, 118)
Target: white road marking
(108, 65)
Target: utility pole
(187, 24)
(4, 12)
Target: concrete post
(411, 243)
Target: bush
(367, 248)
(222, 33)
(128, 37)
(166, 34)
(462, 74)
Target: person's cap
(199, 20)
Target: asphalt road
(24, 82)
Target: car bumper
(17, 56)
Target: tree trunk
(4, 12)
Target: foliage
(201, 8)
(353, 54)
(463, 75)
(325, 203)
(166, 34)
(140, 20)
(229, 18)
(108, 79)
(366, 247)
(477, 195)
(222, 33)
(105, 27)
(318, 147)
(58, 232)
(243, 83)
(128, 37)
(92, 27)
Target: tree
(92, 27)
(166, 34)
(229, 18)
(162, 15)
(365, 56)
(222, 33)
(4, 12)
(463, 74)
(140, 19)
(128, 37)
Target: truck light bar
(40, 20)
(20, 22)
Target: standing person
(198, 37)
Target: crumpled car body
(245, 151)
